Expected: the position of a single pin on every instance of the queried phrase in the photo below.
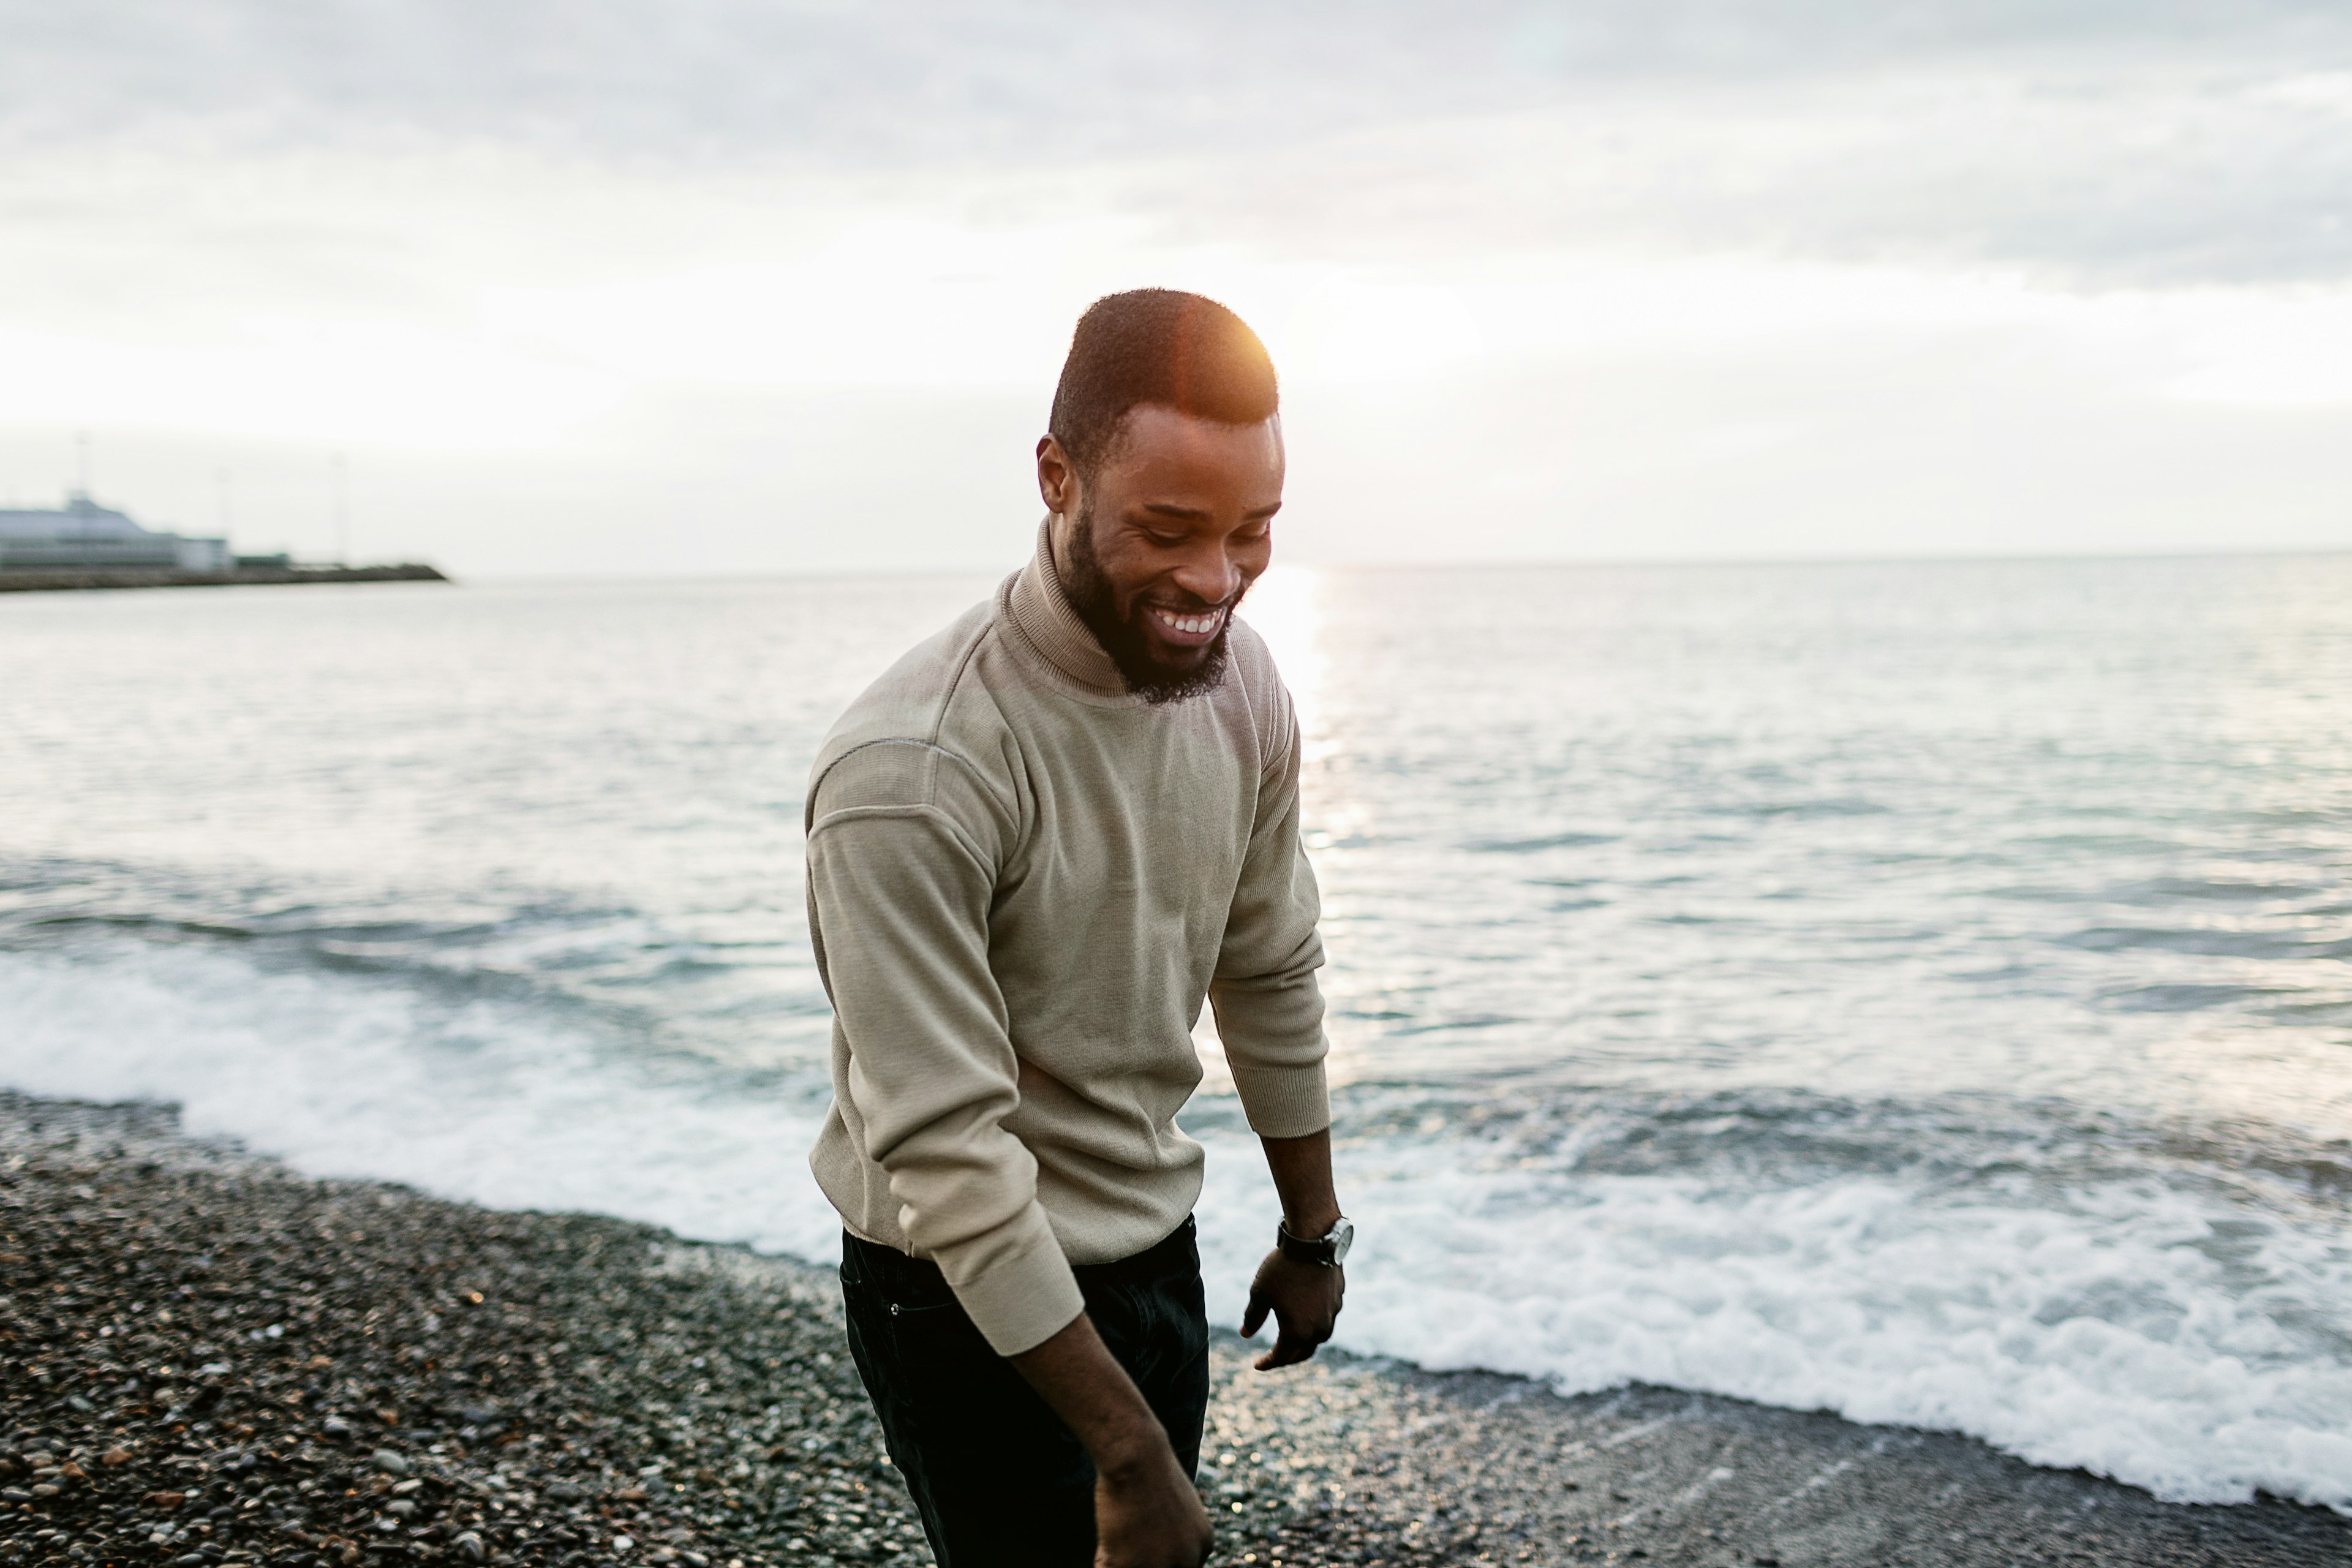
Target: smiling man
(1035, 847)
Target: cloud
(545, 267)
(1037, 79)
(2162, 176)
(2162, 141)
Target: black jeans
(998, 1476)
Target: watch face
(1342, 1236)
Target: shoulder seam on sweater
(1279, 723)
(817, 783)
(947, 699)
(884, 813)
(808, 812)
(955, 681)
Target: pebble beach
(211, 1360)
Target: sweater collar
(1050, 624)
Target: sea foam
(2148, 1330)
(487, 1100)
(2147, 1333)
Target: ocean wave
(743, 989)
(2209, 942)
(2106, 1337)
(475, 1096)
(2166, 1310)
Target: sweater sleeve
(1269, 1009)
(901, 864)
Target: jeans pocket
(935, 1337)
(916, 1289)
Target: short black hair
(1158, 346)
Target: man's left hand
(1305, 1300)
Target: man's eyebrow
(1193, 514)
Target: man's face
(1157, 547)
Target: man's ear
(1057, 477)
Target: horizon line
(1521, 563)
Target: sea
(1921, 992)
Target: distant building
(85, 534)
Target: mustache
(1192, 604)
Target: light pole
(342, 513)
(81, 482)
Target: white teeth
(1190, 625)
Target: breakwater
(143, 577)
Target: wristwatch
(1329, 1250)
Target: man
(1035, 847)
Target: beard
(1125, 639)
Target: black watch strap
(1323, 1251)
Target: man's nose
(1209, 574)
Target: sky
(585, 288)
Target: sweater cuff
(1015, 1283)
(1282, 1101)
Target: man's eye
(1166, 540)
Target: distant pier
(84, 545)
(55, 578)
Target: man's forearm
(1076, 1373)
(1147, 1514)
(1302, 1178)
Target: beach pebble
(608, 1349)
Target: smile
(1187, 628)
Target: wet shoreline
(222, 1362)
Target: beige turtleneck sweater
(1023, 881)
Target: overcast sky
(718, 286)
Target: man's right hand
(1146, 1512)
(1150, 1516)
